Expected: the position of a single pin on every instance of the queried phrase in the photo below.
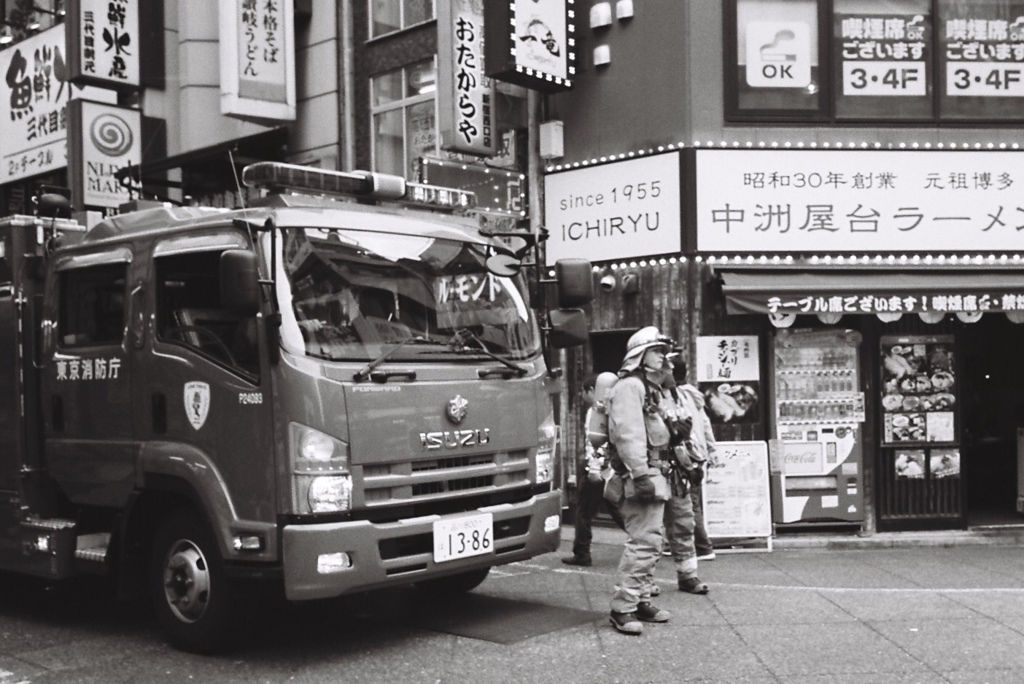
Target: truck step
(92, 547)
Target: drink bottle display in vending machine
(819, 410)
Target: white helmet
(642, 340)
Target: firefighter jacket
(637, 424)
(702, 437)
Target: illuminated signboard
(532, 44)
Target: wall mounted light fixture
(600, 15)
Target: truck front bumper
(392, 554)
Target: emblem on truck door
(197, 402)
(457, 409)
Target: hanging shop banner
(101, 140)
(465, 94)
(498, 192)
(530, 43)
(864, 201)
(898, 289)
(729, 376)
(257, 60)
(103, 43)
(985, 55)
(614, 211)
(884, 55)
(737, 502)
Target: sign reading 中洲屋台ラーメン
(830, 201)
(614, 211)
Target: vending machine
(817, 450)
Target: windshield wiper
(365, 372)
(461, 337)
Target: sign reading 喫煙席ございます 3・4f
(860, 201)
(614, 211)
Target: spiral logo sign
(111, 135)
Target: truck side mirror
(240, 282)
(568, 328)
(575, 283)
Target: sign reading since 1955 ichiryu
(614, 211)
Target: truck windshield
(353, 295)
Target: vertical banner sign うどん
(614, 211)
(257, 60)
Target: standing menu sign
(737, 502)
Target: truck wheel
(455, 584)
(193, 601)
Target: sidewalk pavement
(995, 535)
(910, 607)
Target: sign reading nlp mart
(615, 211)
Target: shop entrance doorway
(992, 409)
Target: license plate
(457, 538)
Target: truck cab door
(90, 447)
(205, 383)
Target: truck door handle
(383, 376)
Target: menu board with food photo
(918, 389)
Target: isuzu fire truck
(334, 389)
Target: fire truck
(346, 385)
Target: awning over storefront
(213, 167)
(848, 291)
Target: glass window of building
(981, 59)
(387, 16)
(404, 112)
(883, 59)
(777, 70)
(902, 61)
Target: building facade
(817, 198)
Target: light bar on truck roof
(277, 176)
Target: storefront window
(882, 56)
(404, 118)
(875, 60)
(918, 390)
(777, 66)
(981, 58)
(387, 16)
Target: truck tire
(193, 599)
(455, 584)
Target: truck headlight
(547, 442)
(329, 494)
(321, 479)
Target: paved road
(922, 614)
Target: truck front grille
(429, 484)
